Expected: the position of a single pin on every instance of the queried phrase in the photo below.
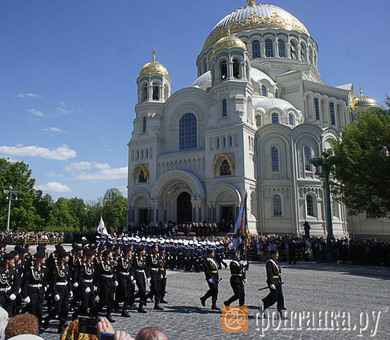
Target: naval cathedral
(257, 113)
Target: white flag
(101, 229)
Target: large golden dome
(229, 42)
(364, 102)
(154, 67)
(255, 16)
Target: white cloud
(54, 129)
(86, 166)
(61, 153)
(63, 109)
(26, 95)
(54, 187)
(36, 113)
(105, 174)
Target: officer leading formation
(116, 272)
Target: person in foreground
(274, 282)
(23, 326)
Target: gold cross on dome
(154, 55)
(251, 3)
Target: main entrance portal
(184, 208)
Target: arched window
(156, 92)
(224, 108)
(223, 68)
(332, 114)
(145, 92)
(187, 132)
(293, 50)
(275, 118)
(269, 48)
(224, 169)
(306, 158)
(144, 125)
(275, 158)
(303, 52)
(256, 49)
(309, 206)
(277, 205)
(263, 91)
(282, 50)
(141, 177)
(310, 55)
(204, 65)
(317, 108)
(236, 69)
(258, 120)
(291, 119)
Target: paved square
(309, 287)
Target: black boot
(61, 328)
(203, 301)
(214, 307)
(46, 323)
(157, 306)
(141, 310)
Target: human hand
(94, 288)
(272, 286)
(57, 297)
(104, 326)
(210, 281)
(71, 294)
(26, 299)
(116, 283)
(87, 290)
(76, 284)
(12, 297)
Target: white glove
(272, 286)
(161, 276)
(71, 294)
(26, 299)
(45, 289)
(210, 281)
(76, 284)
(148, 279)
(244, 281)
(132, 278)
(94, 288)
(12, 297)
(57, 297)
(87, 290)
(133, 282)
(116, 283)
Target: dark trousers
(238, 290)
(273, 296)
(6, 303)
(163, 286)
(124, 291)
(88, 301)
(213, 291)
(140, 280)
(60, 307)
(35, 307)
(156, 289)
(106, 296)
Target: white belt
(156, 269)
(5, 289)
(62, 283)
(106, 276)
(88, 281)
(124, 273)
(35, 285)
(140, 270)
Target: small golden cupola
(363, 103)
(154, 83)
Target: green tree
(114, 209)
(363, 164)
(23, 213)
(43, 205)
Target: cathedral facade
(250, 123)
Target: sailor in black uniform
(212, 278)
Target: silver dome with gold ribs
(255, 16)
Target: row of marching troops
(116, 272)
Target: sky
(68, 71)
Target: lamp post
(323, 167)
(10, 195)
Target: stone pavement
(327, 299)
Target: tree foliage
(363, 164)
(35, 211)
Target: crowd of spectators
(15, 237)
